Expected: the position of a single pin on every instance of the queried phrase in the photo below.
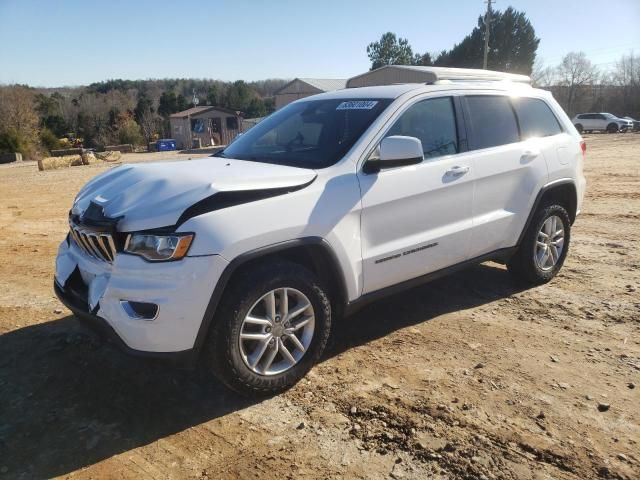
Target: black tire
(523, 265)
(612, 128)
(223, 355)
(579, 127)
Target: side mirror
(396, 151)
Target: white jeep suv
(328, 204)
(601, 122)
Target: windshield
(312, 134)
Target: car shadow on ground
(68, 400)
(475, 286)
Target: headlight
(159, 248)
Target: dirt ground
(468, 377)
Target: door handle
(530, 154)
(458, 170)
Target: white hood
(152, 195)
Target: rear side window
(433, 122)
(536, 118)
(492, 121)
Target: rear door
(508, 171)
(588, 121)
(417, 219)
(584, 121)
(600, 121)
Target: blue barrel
(165, 144)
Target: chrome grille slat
(93, 242)
(74, 235)
(104, 246)
(85, 243)
(98, 245)
(112, 247)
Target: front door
(417, 219)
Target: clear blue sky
(56, 43)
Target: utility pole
(487, 23)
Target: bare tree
(18, 117)
(17, 110)
(627, 71)
(626, 76)
(541, 75)
(149, 124)
(574, 72)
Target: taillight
(583, 147)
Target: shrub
(49, 140)
(12, 141)
(129, 132)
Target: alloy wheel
(549, 243)
(277, 331)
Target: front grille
(99, 245)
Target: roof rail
(393, 74)
(476, 75)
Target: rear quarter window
(492, 121)
(536, 118)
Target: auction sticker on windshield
(357, 105)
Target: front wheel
(270, 329)
(579, 127)
(544, 246)
(612, 128)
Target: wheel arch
(563, 192)
(314, 253)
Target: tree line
(512, 48)
(580, 86)
(577, 83)
(33, 121)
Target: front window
(433, 122)
(311, 134)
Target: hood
(152, 195)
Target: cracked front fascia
(97, 284)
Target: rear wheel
(270, 329)
(579, 127)
(612, 128)
(544, 246)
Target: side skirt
(502, 256)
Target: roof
(396, 90)
(322, 84)
(391, 74)
(198, 110)
(326, 84)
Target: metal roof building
(395, 74)
(305, 87)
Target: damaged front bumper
(98, 292)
